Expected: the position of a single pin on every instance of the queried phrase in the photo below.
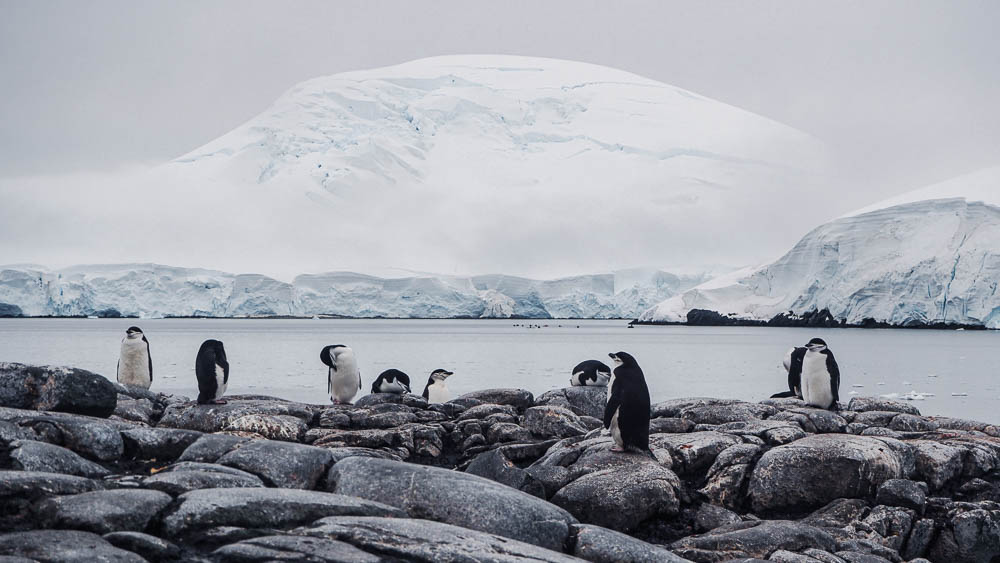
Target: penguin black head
(622, 359)
(133, 332)
(440, 374)
(328, 355)
(817, 344)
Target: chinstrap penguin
(820, 376)
(343, 380)
(590, 372)
(627, 413)
(135, 365)
(436, 391)
(212, 370)
(391, 381)
(792, 363)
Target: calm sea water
(281, 357)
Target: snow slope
(150, 290)
(930, 255)
(474, 163)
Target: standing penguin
(212, 370)
(135, 366)
(436, 391)
(343, 379)
(590, 372)
(391, 381)
(793, 367)
(627, 411)
(820, 376)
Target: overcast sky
(903, 92)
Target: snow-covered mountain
(150, 290)
(928, 256)
(472, 163)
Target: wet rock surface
(495, 475)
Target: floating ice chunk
(854, 393)
(890, 395)
(857, 385)
(907, 383)
(959, 394)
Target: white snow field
(930, 255)
(154, 291)
(456, 164)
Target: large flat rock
(117, 510)
(215, 418)
(292, 548)
(601, 545)
(453, 497)
(29, 455)
(753, 540)
(622, 499)
(582, 400)
(28, 483)
(813, 471)
(429, 542)
(281, 464)
(64, 546)
(263, 508)
(51, 388)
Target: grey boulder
(160, 444)
(453, 497)
(266, 549)
(215, 418)
(263, 508)
(517, 398)
(103, 511)
(29, 455)
(281, 464)
(52, 388)
(190, 476)
(429, 542)
(550, 421)
(587, 400)
(756, 539)
(601, 545)
(64, 546)
(150, 547)
(796, 476)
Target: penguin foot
(617, 448)
(219, 402)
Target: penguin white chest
(220, 381)
(394, 386)
(344, 379)
(133, 364)
(816, 388)
(438, 392)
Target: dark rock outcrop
(61, 389)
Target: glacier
(929, 256)
(537, 167)
(156, 291)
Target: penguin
(343, 379)
(391, 381)
(590, 372)
(212, 370)
(627, 413)
(436, 391)
(793, 367)
(820, 376)
(135, 365)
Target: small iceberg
(959, 394)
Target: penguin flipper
(614, 401)
(831, 366)
(359, 379)
(148, 357)
(118, 371)
(783, 395)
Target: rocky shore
(94, 471)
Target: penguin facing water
(212, 369)
(391, 381)
(627, 413)
(590, 372)
(135, 365)
(436, 391)
(343, 379)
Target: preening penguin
(627, 411)
(436, 391)
(590, 372)
(343, 380)
(820, 376)
(793, 367)
(135, 366)
(212, 370)
(391, 381)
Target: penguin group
(813, 376)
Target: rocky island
(91, 470)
